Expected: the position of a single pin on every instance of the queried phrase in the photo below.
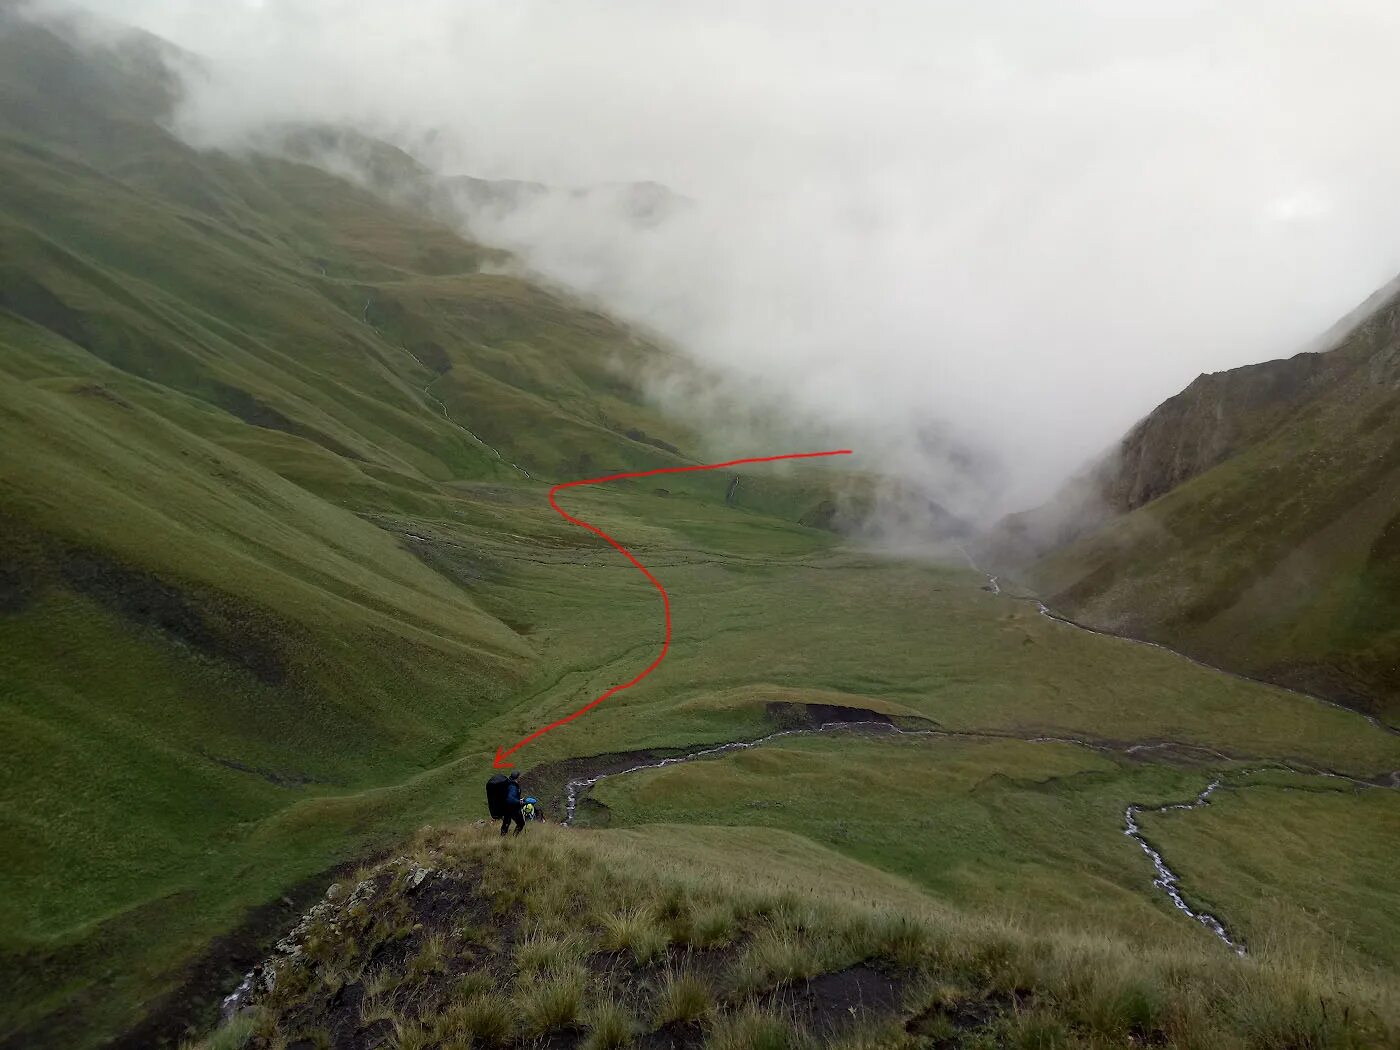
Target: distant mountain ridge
(1253, 519)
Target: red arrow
(503, 753)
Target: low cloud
(975, 241)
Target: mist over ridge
(1007, 232)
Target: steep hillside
(218, 375)
(214, 371)
(1252, 520)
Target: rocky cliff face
(1205, 424)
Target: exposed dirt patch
(549, 782)
(463, 567)
(678, 1035)
(636, 434)
(946, 1023)
(832, 1002)
(1329, 682)
(822, 516)
(24, 295)
(211, 622)
(786, 715)
(431, 356)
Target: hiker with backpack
(503, 799)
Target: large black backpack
(497, 789)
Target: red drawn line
(503, 753)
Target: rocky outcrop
(1205, 424)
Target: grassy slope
(212, 376)
(577, 939)
(1283, 561)
(262, 607)
(1258, 846)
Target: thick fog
(1016, 225)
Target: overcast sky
(1028, 220)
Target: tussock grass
(981, 981)
(410, 1035)
(777, 956)
(610, 1026)
(1038, 1032)
(683, 996)
(539, 953)
(473, 983)
(888, 1036)
(429, 960)
(891, 935)
(713, 926)
(554, 1001)
(379, 985)
(634, 930)
(483, 1019)
(754, 1029)
(236, 1034)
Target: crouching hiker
(504, 801)
(532, 810)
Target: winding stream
(1167, 880)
